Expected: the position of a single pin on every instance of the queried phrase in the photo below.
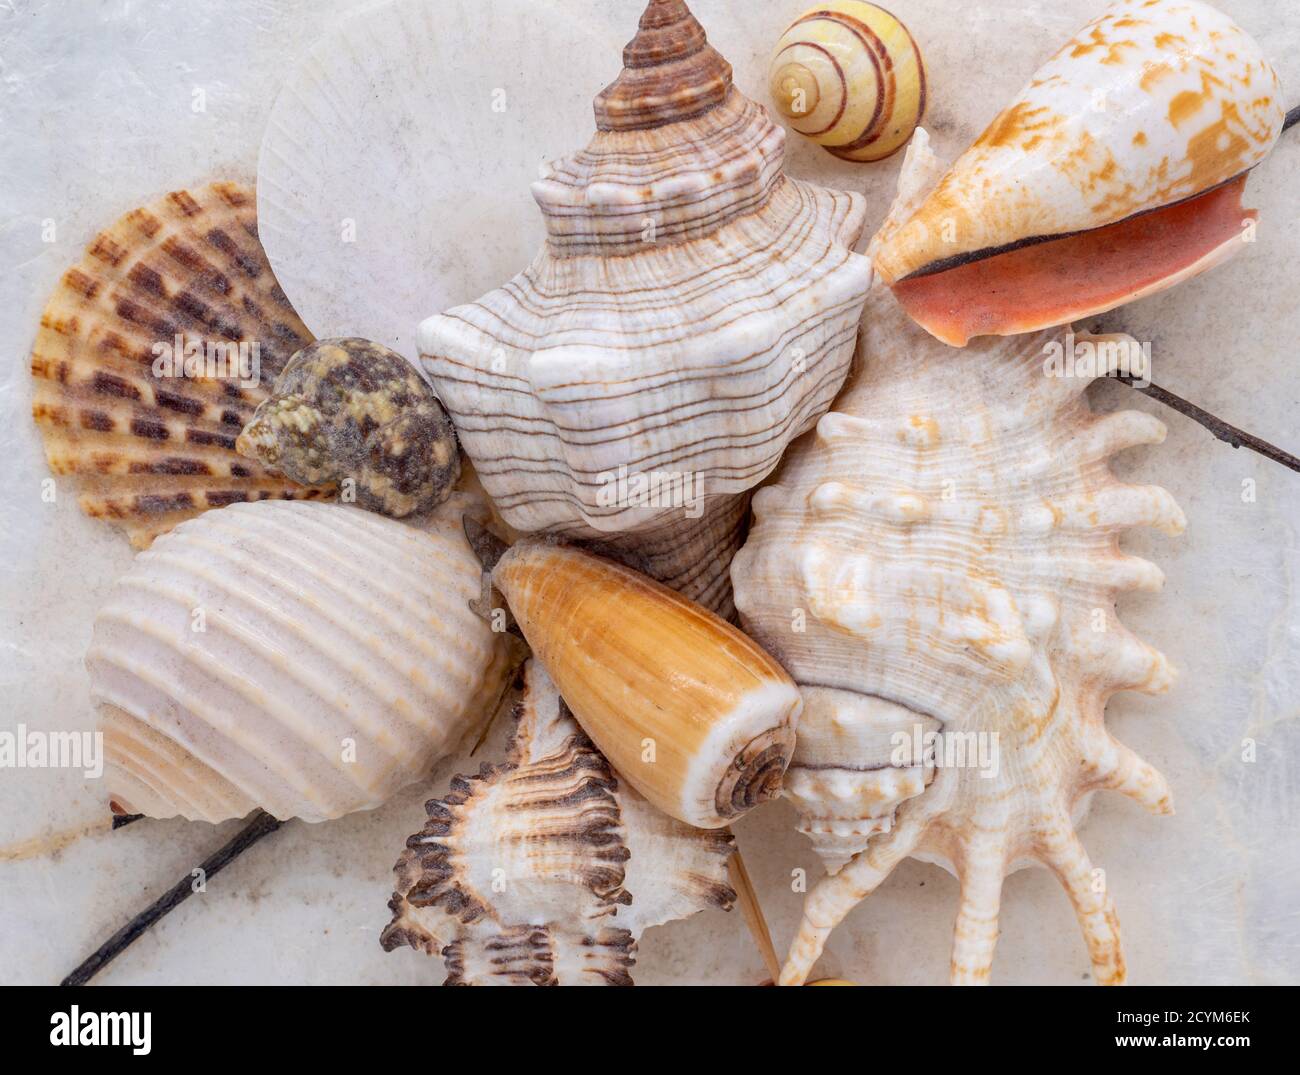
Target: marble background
(96, 118)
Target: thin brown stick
(1229, 434)
(753, 912)
(263, 824)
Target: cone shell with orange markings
(148, 443)
(686, 708)
(1152, 104)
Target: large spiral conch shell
(307, 659)
(849, 76)
(938, 567)
(546, 869)
(1116, 173)
(153, 353)
(695, 715)
(692, 312)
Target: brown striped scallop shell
(149, 450)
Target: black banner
(336, 1024)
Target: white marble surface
(95, 110)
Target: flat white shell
(375, 209)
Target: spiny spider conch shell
(938, 566)
(1116, 173)
(351, 409)
(689, 711)
(307, 659)
(546, 869)
(144, 368)
(692, 312)
(849, 76)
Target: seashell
(148, 446)
(691, 712)
(307, 659)
(349, 408)
(546, 869)
(938, 568)
(849, 76)
(1116, 173)
(692, 312)
(384, 193)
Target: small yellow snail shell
(849, 76)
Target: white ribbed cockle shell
(307, 659)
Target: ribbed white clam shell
(308, 659)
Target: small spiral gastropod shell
(849, 76)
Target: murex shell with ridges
(937, 567)
(147, 431)
(692, 312)
(1117, 172)
(547, 868)
(307, 659)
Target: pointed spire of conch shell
(670, 73)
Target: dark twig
(1292, 118)
(263, 824)
(1229, 434)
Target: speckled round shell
(307, 659)
(147, 451)
(353, 412)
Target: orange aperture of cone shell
(1053, 282)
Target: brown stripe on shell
(670, 74)
(556, 797)
(141, 446)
